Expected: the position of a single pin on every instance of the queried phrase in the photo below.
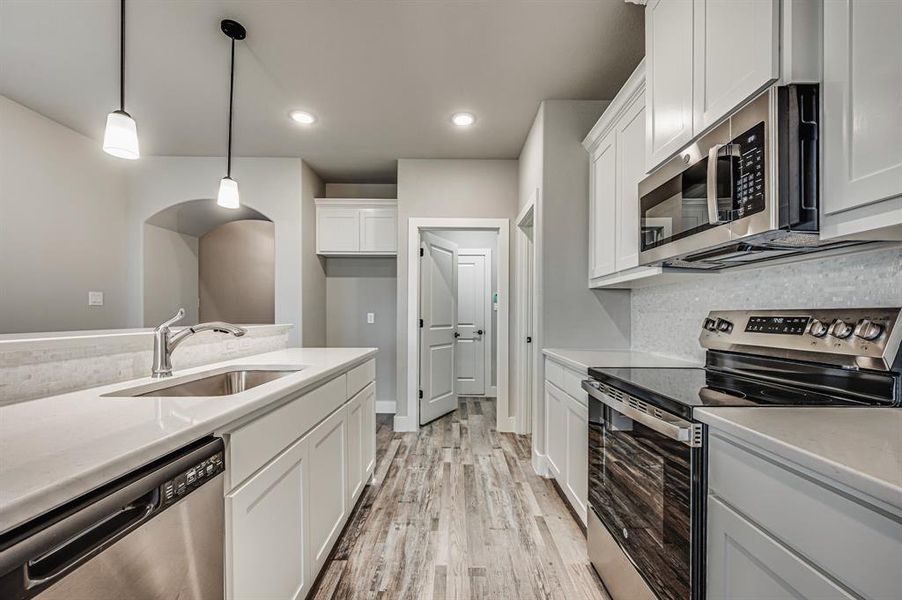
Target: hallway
(456, 511)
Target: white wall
(62, 227)
(273, 186)
(313, 267)
(667, 319)
(446, 188)
(355, 287)
(170, 275)
(361, 190)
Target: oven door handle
(715, 152)
(664, 423)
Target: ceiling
(382, 76)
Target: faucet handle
(175, 319)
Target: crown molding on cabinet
(632, 89)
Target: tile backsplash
(56, 364)
(666, 319)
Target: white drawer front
(554, 372)
(251, 446)
(824, 526)
(360, 376)
(573, 385)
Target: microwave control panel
(748, 172)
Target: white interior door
(472, 354)
(438, 326)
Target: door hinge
(421, 394)
(529, 339)
(421, 323)
(422, 252)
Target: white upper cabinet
(349, 227)
(735, 55)
(862, 113)
(602, 207)
(616, 147)
(669, 58)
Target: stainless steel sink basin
(222, 383)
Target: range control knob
(818, 328)
(710, 324)
(868, 330)
(724, 326)
(840, 329)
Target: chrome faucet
(164, 341)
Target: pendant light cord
(122, 55)
(231, 96)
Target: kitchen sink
(222, 383)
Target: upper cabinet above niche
(356, 227)
(705, 58)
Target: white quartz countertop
(583, 360)
(860, 448)
(56, 448)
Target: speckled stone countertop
(56, 448)
(860, 448)
(583, 360)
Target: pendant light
(228, 187)
(121, 135)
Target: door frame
(490, 390)
(527, 320)
(504, 421)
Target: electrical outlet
(370, 317)
(95, 298)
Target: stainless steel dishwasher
(154, 534)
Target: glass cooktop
(679, 390)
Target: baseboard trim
(405, 423)
(386, 407)
(539, 465)
(491, 391)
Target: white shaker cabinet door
(862, 103)
(267, 530)
(328, 490)
(630, 171)
(355, 424)
(576, 483)
(602, 207)
(337, 229)
(668, 64)
(379, 230)
(743, 561)
(369, 432)
(736, 53)
(555, 431)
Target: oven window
(640, 485)
(679, 207)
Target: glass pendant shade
(121, 136)
(228, 193)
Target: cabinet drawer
(359, 377)
(809, 518)
(251, 446)
(573, 385)
(554, 372)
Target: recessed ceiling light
(463, 119)
(302, 117)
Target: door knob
(479, 332)
(456, 335)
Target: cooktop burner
(680, 390)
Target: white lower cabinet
(329, 500)
(268, 526)
(283, 520)
(567, 434)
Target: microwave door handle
(713, 153)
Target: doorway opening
(458, 306)
(218, 264)
(526, 327)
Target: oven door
(644, 467)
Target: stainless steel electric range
(647, 455)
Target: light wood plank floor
(456, 511)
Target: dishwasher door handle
(57, 562)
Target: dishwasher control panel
(188, 480)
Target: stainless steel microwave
(744, 192)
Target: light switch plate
(95, 298)
(370, 317)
